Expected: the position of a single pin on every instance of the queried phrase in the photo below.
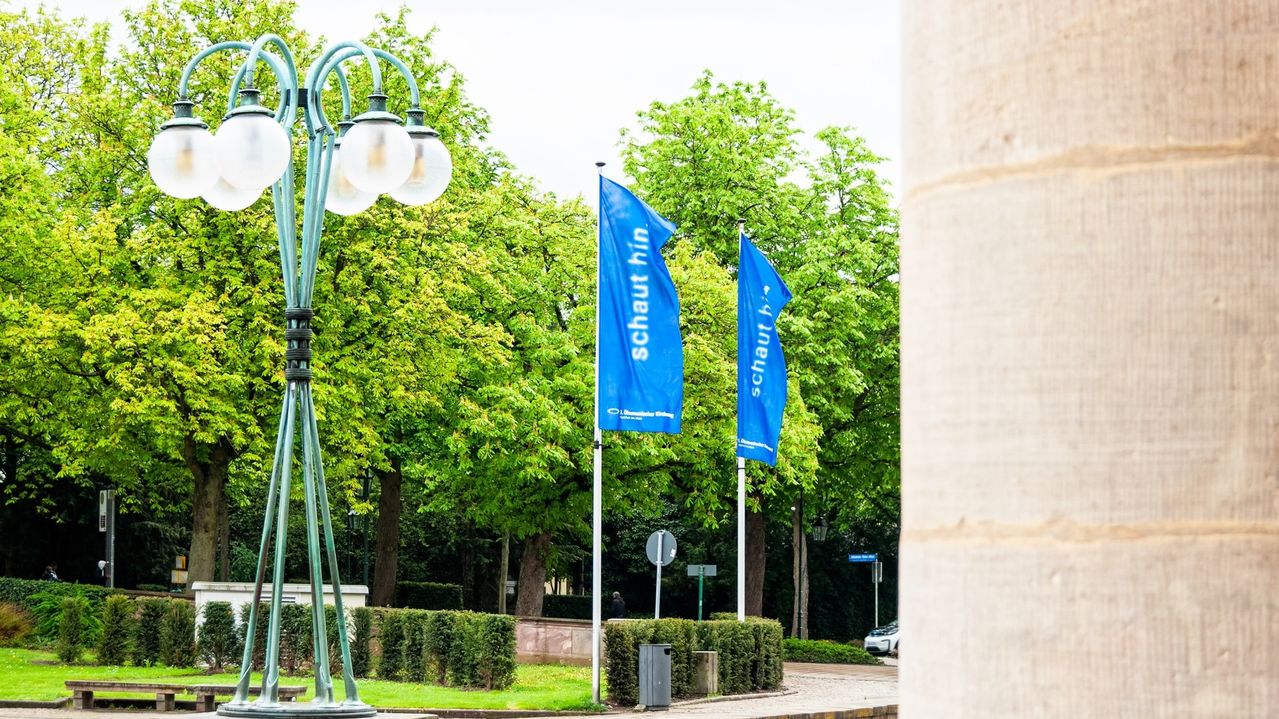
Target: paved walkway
(809, 688)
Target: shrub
(177, 633)
(428, 595)
(414, 622)
(259, 632)
(492, 640)
(820, 651)
(391, 637)
(566, 606)
(24, 593)
(16, 625)
(361, 653)
(437, 644)
(146, 637)
(47, 608)
(152, 588)
(750, 654)
(217, 639)
(72, 632)
(295, 636)
(117, 630)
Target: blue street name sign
(863, 557)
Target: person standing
(618, 608)
(50, 573)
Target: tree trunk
(1090, 333)
(754, 563)
(532, 583)
(386, 565)
(208, 467)
(224, 538)
(796, 534)
(502, 572)
(804, 619)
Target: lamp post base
(311, 710)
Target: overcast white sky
(561, 78)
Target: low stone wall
(539, 640)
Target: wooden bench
(206, 694)
(82, 692)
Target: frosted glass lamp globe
(343, 198)
(225, 197)
(183, 161)
(432, 170)
(253, 151)
(377, 155)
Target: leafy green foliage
(117, 630)
(428, 595)
(177, 634)
(217, 640)
(821, 651)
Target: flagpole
(598, 465)
(741, 473)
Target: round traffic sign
(660, 547)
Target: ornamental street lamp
(346, 169)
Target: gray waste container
(655, 675)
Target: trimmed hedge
(428, 595)
(217, 639)
(821, 651)
(177, 634)
(750, 654)
(451, 648)
(146, 637)
(22, 592)
(117, 630)
(566, 606)
(361, 650)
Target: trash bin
(655, 675)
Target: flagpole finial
(741, 220)
(599, 167)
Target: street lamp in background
(346, 169)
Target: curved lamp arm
(330, 62)
(287, 81)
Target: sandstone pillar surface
(1090, 359)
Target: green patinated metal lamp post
(346, 169)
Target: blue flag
(640, 354)
(761, 366)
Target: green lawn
(37, 675)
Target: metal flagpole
(598, 465)
(741, 478)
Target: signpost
(661, 551)
(106, 523)
(701, 571)
(876, 574)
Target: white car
(883, 640)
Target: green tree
(730, 150)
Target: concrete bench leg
(204, 702)
(163, 702)
(82, 699)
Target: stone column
(1090, 313)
